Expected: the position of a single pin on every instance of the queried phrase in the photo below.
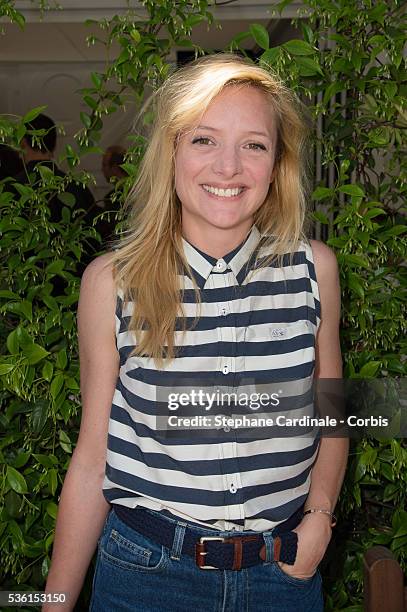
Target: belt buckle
(202, 541)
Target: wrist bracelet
(322, 511)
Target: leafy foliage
(41, 264)
(350, 65)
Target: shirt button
(220, 265)
(233, 488)
(223, 311)
(225, 369)
(226, 429)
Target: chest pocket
(279, 332)
(280, 351)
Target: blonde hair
(150, 255)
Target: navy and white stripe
(256, 324)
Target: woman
(200, 296)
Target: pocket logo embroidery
(278, 332)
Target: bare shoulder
(327, 273)
(97, 300)
(99, 272)
(325, 261)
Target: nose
(227, 161)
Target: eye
(201, 140)
(257, 146)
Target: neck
(217, 243)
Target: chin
(226, 224)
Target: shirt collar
(203, 264)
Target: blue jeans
(134, 574)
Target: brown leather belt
(284, 549)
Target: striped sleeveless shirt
(255, 324)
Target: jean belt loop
(269, 542)
(178, 540)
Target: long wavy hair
(148, 258)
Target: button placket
(227, 365)
(226, 333)
(227, 450)
(232, 482)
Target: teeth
(224, 193)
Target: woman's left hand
(314, 533)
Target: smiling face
(224, 167)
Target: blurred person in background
(112, 161)
(40, 150)
(103, 214)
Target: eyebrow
(254, 132)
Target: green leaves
(39, 414)
(52, 510)
(308, 67)
(136, 36)
(62, 360)
(96, 80)
(86, 120)
(271, 57)
(298, 47)
(19, 342)
(34, 353)
(352, 190)
(260, 35)
(320, 217)
(354, 99)
(56, 385)
(352, 260)
(322, 193)
(331, 90)
(16, 480)
(281, 58)
(355, 284)
(369, 369)
(55, 267)
(67, 198)
(52, 477)
(65, 442)
(6, 368)
(33, 114)
(12, 342)
(22, 308)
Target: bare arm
(314, 531)
(82, 508)
(329, 468)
